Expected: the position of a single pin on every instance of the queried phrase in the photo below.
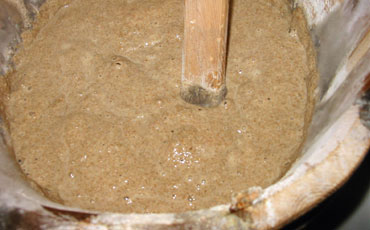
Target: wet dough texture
(96, 120)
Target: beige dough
(96, 120)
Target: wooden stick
(203, 79)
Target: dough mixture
(96, 120)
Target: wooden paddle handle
(203, 79)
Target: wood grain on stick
(204, 52)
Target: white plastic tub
(337, 142)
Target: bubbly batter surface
(96, 119)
